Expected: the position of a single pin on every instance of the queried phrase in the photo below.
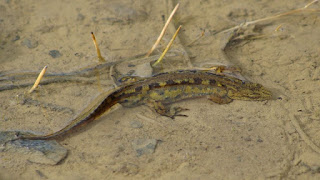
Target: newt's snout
(251, 91)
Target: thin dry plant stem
(163, 31)
(38, 80)
(168, 47)
(101, 59)
(265, 35)
(271, 17)
(199, 37)
(303, 135)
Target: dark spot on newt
(212, 82)
(170, 82)
(154, 85)
(185, 82)
(197, 80)
(138, 89)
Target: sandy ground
(275, 139)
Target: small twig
(101, 59)
(168, 47)
(278, 27)
(163, 31)
(38, 80)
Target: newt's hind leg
(167, 110)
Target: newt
(161, 90)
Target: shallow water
(241, 140)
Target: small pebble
(94, 19)
(259, 140)
(44, 28)
(80, 17)
(79, 55)
(248, 138)
(38, 151)
(16, 38)
(144, 146)
(55, 53)
(129, 169)
(136, 124)
(30, 43)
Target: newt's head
(249, 91)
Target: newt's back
(173, 86)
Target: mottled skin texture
(163, 89)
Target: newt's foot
(168, 111)
(175, 111)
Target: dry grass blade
(163, 31)
(101, 59)
(38, 79)
(168, 47)
(264, 35)
(304, 8)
